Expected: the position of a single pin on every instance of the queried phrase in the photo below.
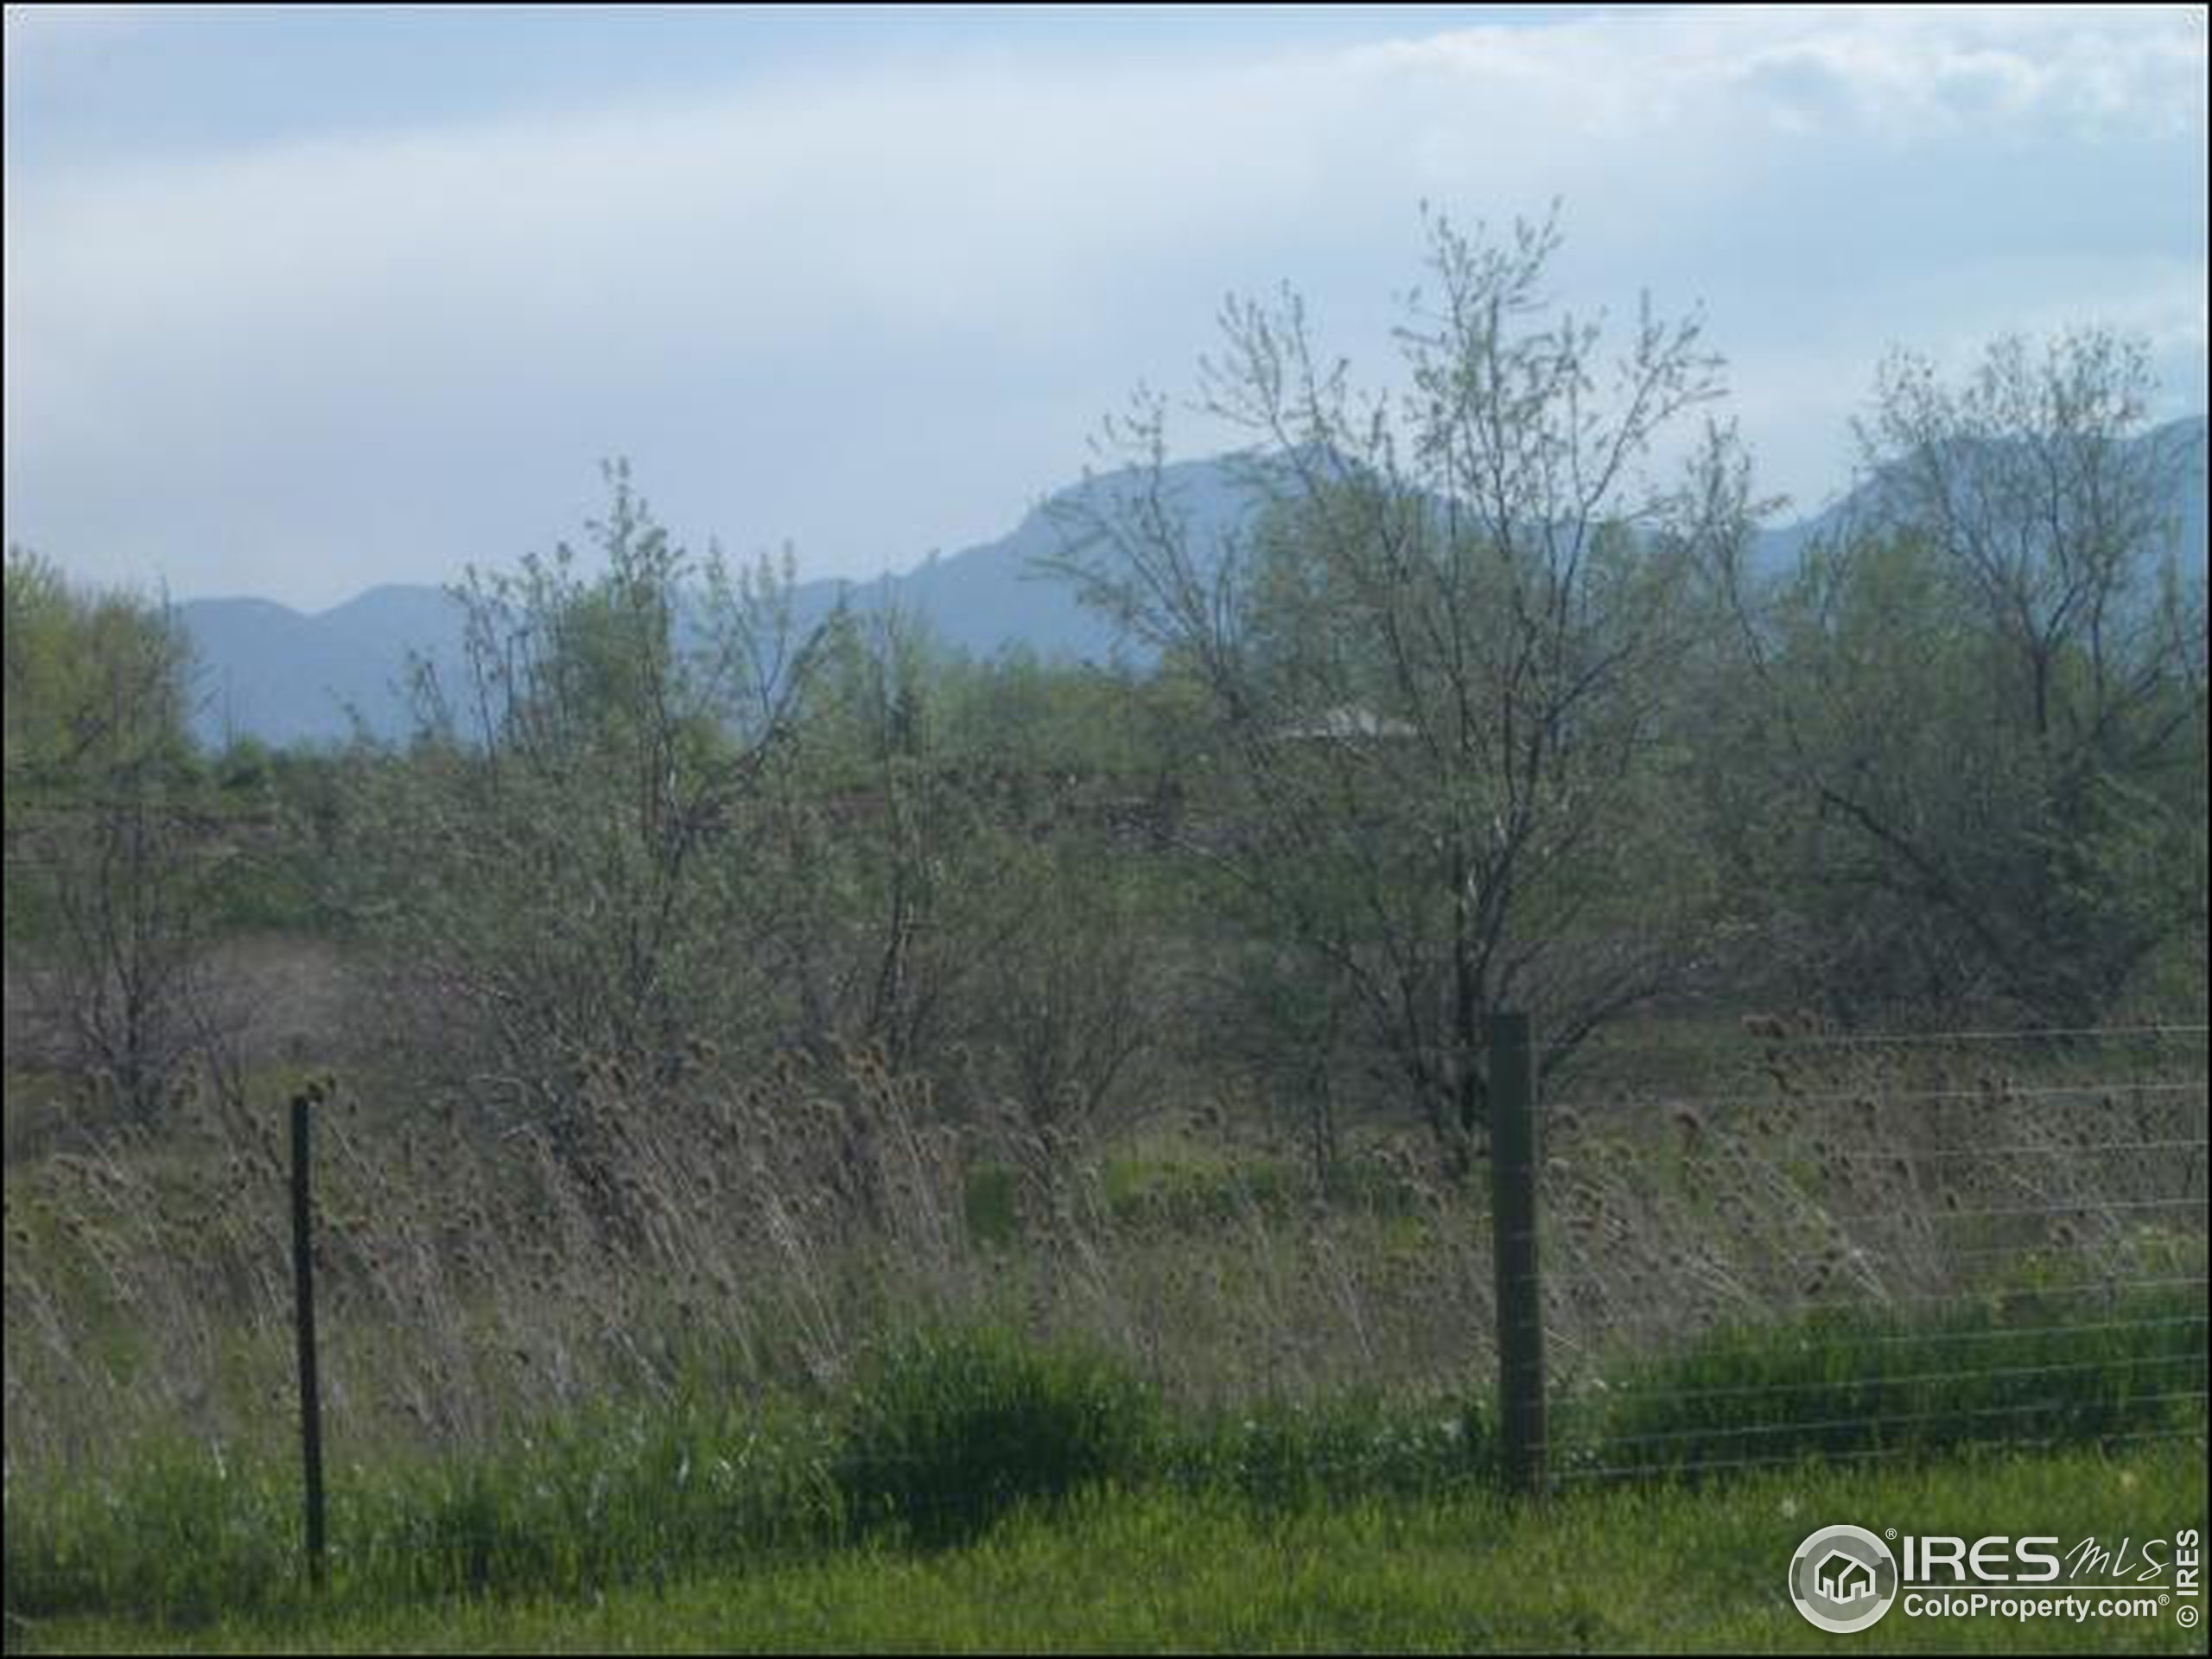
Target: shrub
(948, 1430)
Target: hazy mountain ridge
(270, 672)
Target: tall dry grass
(763, 1229)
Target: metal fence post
(304, 1304)
(1513, 1224)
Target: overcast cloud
(869, 286)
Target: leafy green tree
(115, 886)
(95, 680)
(559, 860)
(1988, 687)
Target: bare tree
(1439, 658)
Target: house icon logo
(1843, 1579)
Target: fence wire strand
(2035, 1275)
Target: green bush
(948, 1430)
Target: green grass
(1294, 1454)
(2055, 1365)
(1645, 1569)
(946, 1434)
(605, 1497)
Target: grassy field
(1643, 1570)
(817, 1361)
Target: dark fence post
(303, 1304)
(1513, 1224)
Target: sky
(303, 300)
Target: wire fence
(1853, 1250)
(1878, 1246)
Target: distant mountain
(267, 671)
(273, 673)
(270, 672)
(985, 598)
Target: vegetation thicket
(804, 1092)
